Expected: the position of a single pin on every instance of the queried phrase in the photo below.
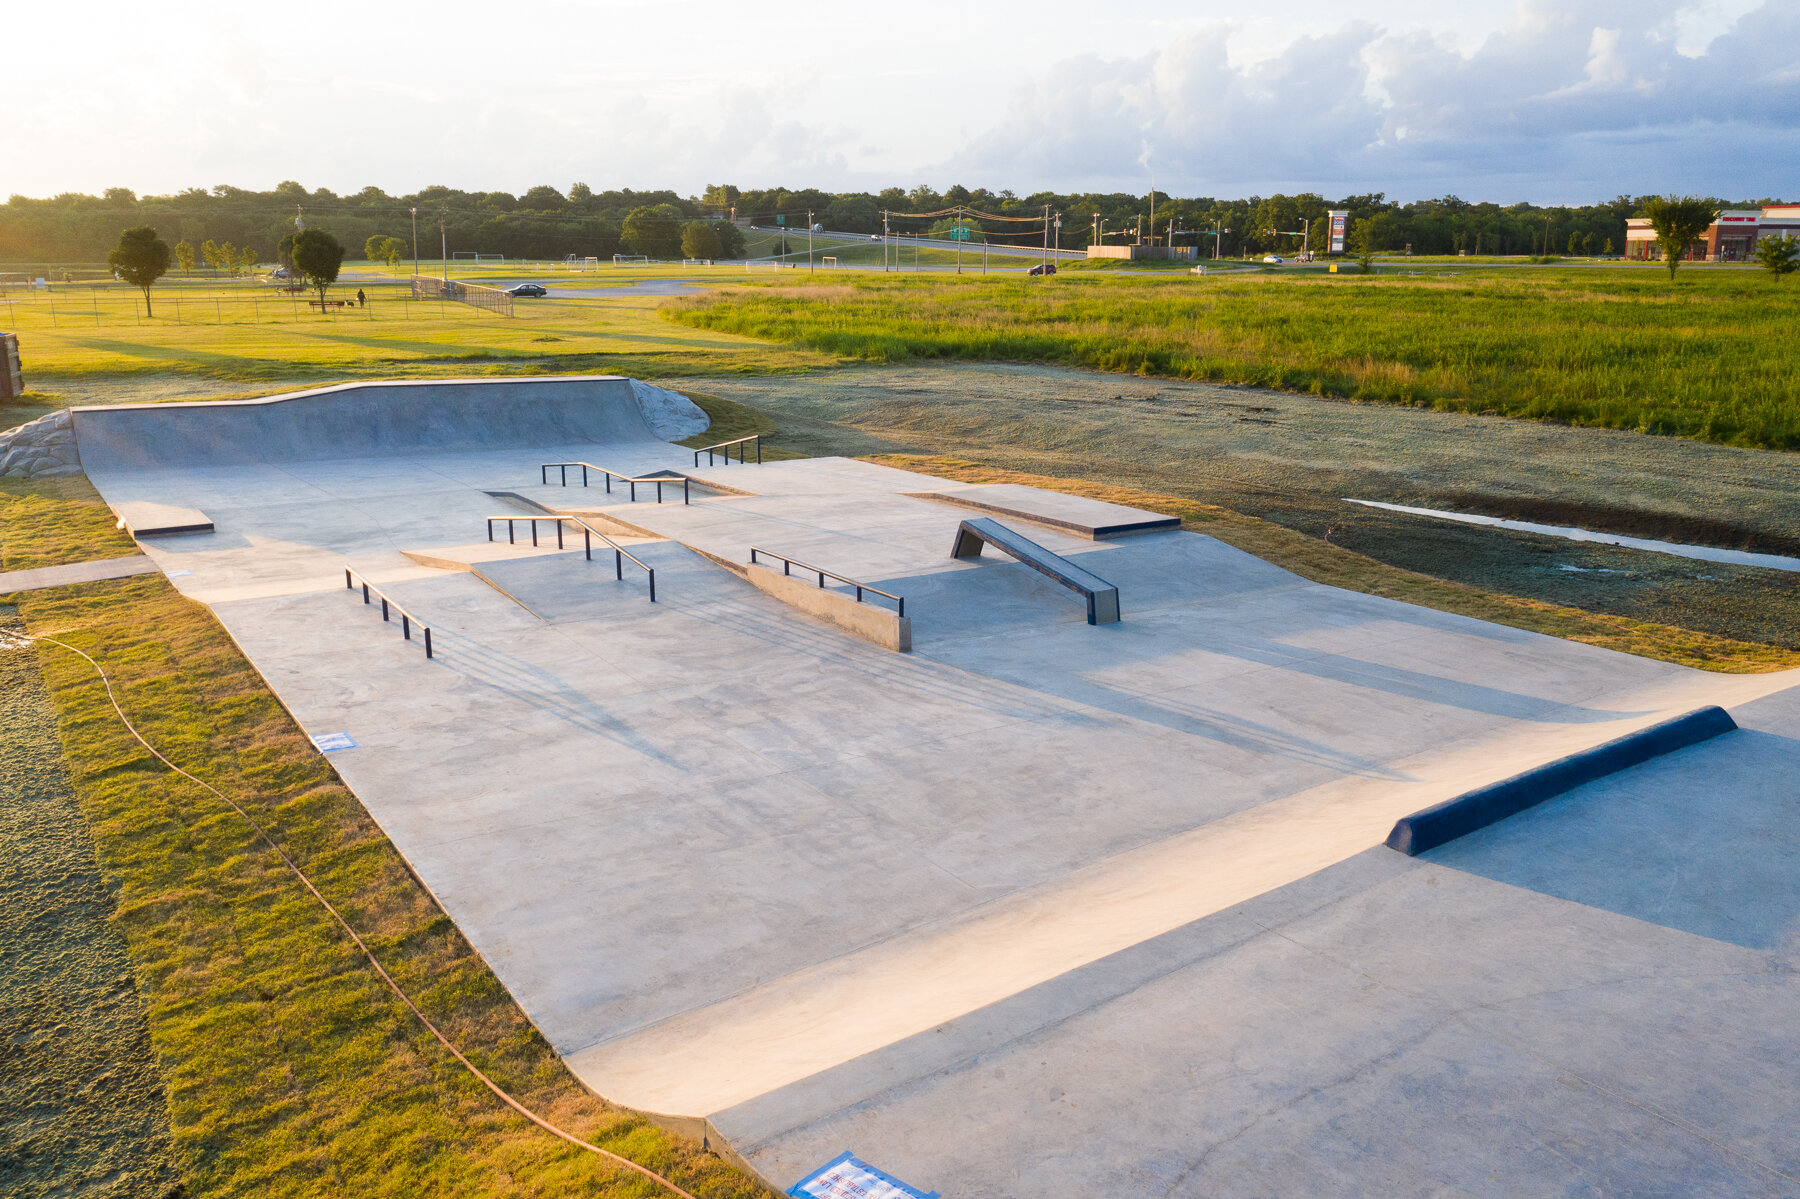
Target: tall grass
(1711, 357)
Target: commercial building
(1731, 238)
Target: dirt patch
(82, 1108)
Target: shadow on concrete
(1703, 841)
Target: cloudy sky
(1489, 99)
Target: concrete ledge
(1095, 520)
(141, 518)
(1472, 810)
(879, 625)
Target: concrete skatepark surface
(1039, 908)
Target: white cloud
(1568, 101)
(1539, 99)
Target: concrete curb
(1445, 822)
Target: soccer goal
(631, 260)
(477, 259)
(696, 262)
(574, 262)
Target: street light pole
(809, 224)
(415, 223)
(444, 247)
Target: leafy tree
(1608, 250)
(654, 230)
(228, 257)
(1678, 222)
(209, 253)
(543, 198)
(392, 251)
(247, 260)
(184, 256)
(284, 252)
(853, 214)
(1364, 240)
(719, 195)
(317, 255)
(1777, 254)
(140, 259)
(731, 239)
(700, 240)
(581, 195)
(375, 248)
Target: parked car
(1273, 258)
(527, 289)
(1043, 268)
(281, 272)
(818, 228)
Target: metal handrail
(407, 619)
(588, 533)
(725, 446)
(633, 480)
(787, 563)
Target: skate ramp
(365, 420)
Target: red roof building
(1732, 238)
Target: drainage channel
(1704, 553)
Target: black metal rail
(407, 619)
(724, 447)
(630, 480)
(588, 533)
(788, 563)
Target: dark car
(527, 289)
(1043, 268)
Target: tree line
(547, 223)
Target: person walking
(362, 301)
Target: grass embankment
(1709, 357)
(1322, 562)
(83, 1105)
(290, 1068)
(244, 339)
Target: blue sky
(1488, 99)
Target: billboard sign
(1340, 223)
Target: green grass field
(1711, 357)
(95, 345)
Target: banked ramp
(382, 419)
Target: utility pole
(957, 231)
(884, 241)
(1046, 261)
(444, 243)
(415, 221)
(809, 224)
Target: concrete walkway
(76, 572)
(1040, 907)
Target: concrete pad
(142, 519)
(1561, 1003)
(757, 876)
(75, 572)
